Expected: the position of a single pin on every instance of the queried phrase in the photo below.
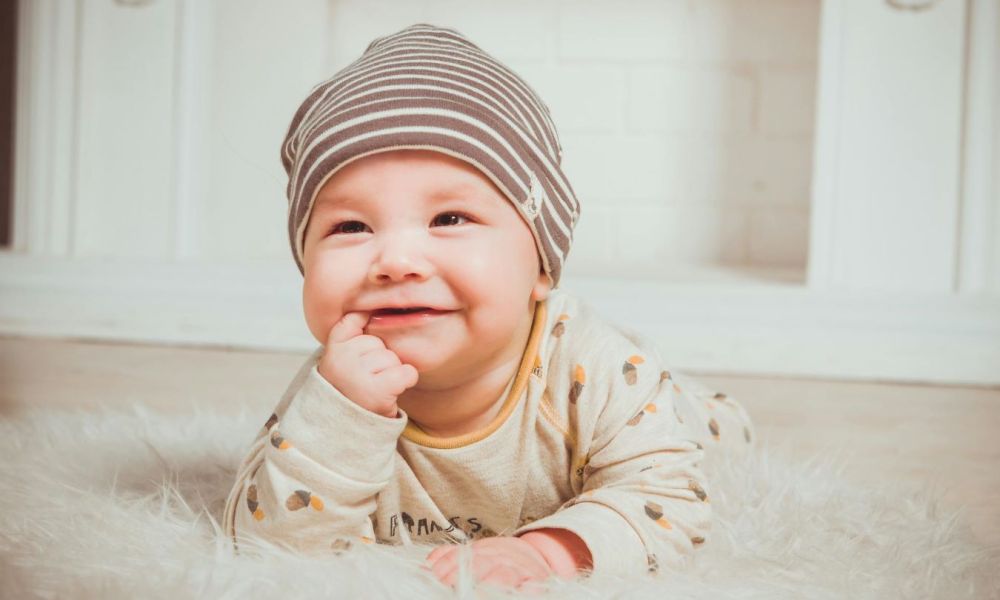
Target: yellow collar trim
(418, 436)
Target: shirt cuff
(332, 430)
(615, 547)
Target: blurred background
(768, 187)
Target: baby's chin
(430, 359)
(423, 358)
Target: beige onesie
(596, 435)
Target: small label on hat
(536, 197)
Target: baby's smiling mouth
(401, 311)
(404, 317)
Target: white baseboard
(709, 324)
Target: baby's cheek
(320, 311)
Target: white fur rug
(126, 505)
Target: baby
(458, 395)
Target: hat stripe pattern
(449, 123)
(379, 90)
(410, 55)
(397, 62)
(428, 87)
(406, 45)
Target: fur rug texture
(127, 505)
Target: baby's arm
(642, 501)
(311, 477)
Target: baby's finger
(350, 325)
(377, 361)
(444, 564)
(532, 587)
(364, 343)
(436, 553)
(537, 570)
(529, 560)
(449, 576)
(535, 565)
(503, 575)
(399, 378)
(483, 563)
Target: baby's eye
(452, 214)
(338, 228)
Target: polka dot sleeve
(643, 501)
(311, 478)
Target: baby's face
(421, 228)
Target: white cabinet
(798, 188)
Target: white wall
(687, 126)
(774, 186)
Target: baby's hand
(360, 366)
(504, 561)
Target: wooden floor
(947, 435)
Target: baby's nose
(401, 257)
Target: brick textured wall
(687, 125)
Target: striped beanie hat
(427, 87)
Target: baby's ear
(542, 287)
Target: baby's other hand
(362, 368)
(504, 561)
